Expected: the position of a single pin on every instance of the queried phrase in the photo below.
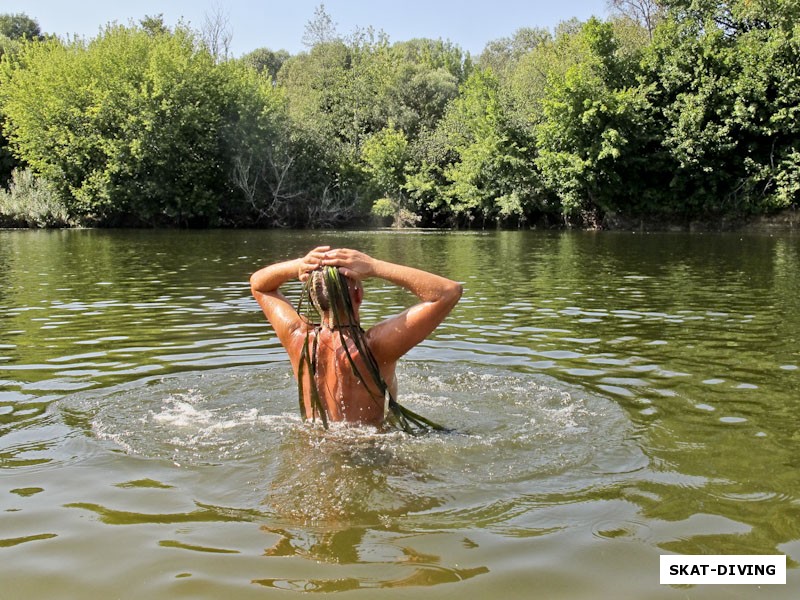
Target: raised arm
(392, 338)
(265, 282)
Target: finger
(307, 266)
(336, 257)
(336, 253)
(350, 274)
(334, 262)
(316, 254)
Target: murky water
(612, 397)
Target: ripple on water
(194, 418)
(514, 433)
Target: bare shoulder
(392, 338)
(287, 323)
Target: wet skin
(344, 396)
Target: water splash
(510, 428)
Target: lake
(612, 397)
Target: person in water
(330, 358)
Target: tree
(280, 172)
(266, 62)
(477, 165)
(14, 30)
(315, 85)
(648, 13)
(421, 77)
(502, 55)
(263, 159)
(341, 93)
(598, 145)
(154, 25)
(385, 155)
(133, 128)
(19, 26)
(725, 74)
(320, 30)
(216, 33)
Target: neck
(328, 322)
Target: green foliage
(386, 158)
(488, 172)
(726, 78)
(314, 83)
(131, 126)
(595, 125)
(384, 207)
(504, 55)
(91, 115)
(424, 78)
(670, 108)
(154, 24)
(278, 170)
(14, 31)
(31, 201)
(385, 155)
(342, 92)
(19, 27)
(321, 29)
(266, 62)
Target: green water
(615, 397)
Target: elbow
(254, 284)
(454, 293)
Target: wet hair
(318, 292)
(322, 297)
(328, 291)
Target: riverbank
(785, 220)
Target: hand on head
(311, 262)
(351, 263)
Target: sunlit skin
(342, 393)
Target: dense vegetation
(668, 110)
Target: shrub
(31, 201)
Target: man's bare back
(345, 395)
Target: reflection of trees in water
(340, 491)
(352, 546)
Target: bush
(31, 201)
(133, 127)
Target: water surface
(613, 397)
